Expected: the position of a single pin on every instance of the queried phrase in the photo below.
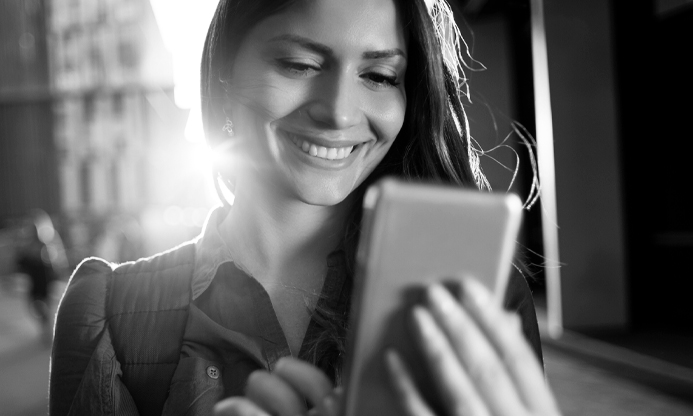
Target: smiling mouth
(321, 152)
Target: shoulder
(81, 317)
(86, 290)
(177, 257)
(160, 281)
(135, 310)
(95, 281)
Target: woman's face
(317, 96)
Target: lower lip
(334, 164)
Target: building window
(85, 184)
(117, 104)
(127, 54)
(75, 7)
(96, 62)
(115, 183)
(89, 109)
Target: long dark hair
(433, 145)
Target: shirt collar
(211, 252)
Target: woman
(313, 100)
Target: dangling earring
(228, 128)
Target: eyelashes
(302, 69)
(380, 79)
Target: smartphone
(413, 235)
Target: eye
(380, 80)
(298, 68)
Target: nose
(336, 105)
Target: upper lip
(324, 139)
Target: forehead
(362, 24)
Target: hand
(481, 363)
(293, 389)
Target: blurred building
(105, 57)
(107, 61)
(27, 157)
(89, 131)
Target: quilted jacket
(119, 332)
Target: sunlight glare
(202, 157)
(183, 25)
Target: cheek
(267, 95)
(387, 116)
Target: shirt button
(213, 372)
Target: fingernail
(423, 320)
(439, 297)
(329, 404)
(279, 363)
(475, 293)
(394, 362)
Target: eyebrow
(387, 53)
(326, 50)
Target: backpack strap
(147, 309)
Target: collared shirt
(232, 328)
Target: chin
(324, 194)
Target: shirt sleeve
(85, 374)
(518, 298)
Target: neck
(270, 233)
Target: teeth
(330, 153)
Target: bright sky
(183, 25)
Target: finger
(475, 352)
(238, 406)
(274, 395)
(337, 402)
(504, 330)
(455, 385)
(403, 384)
(305, 378)
(331, 405)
